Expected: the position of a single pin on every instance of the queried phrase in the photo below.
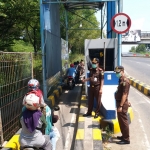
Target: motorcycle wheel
(70, 86)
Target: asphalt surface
(137, 67)
(139, 127)
(69, 107)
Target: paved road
(139, 128)
(69, 102)
(138, 68)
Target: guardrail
(136, 55)
(142, 87)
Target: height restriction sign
(120, 23)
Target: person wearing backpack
(33, 124)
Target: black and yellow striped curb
(113, 124)
(88, 134)
(13, 143)
(144, 88)
(56, 94)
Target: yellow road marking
(97, 134)
(80, 134)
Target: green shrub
(75, 57)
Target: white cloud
(137, 24)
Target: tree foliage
(18, 19)
(21, 20)
(141, 48)
(133, 49)
(75, 33)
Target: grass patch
(21, 46)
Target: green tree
(19, 19)
(75, 34)
(133, 49)
(141, 48)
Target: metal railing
(15, 71)
(145, 34)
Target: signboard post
(120, 23)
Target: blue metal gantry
(113, 7)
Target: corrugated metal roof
(84, 5)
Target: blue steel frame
(43, 50)
(111, 3)
(77, 1)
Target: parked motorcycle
(70, 82)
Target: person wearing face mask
(96, 79)
(121, 97)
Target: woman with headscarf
(33, 123)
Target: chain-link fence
(15, 72)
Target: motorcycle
(70, 82)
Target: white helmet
(31, 101)
(33, 84)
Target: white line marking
(142, 95)
(126, 73)
(148, 65)
(147, 100)
(69, 135)
(138, 93)
(145, 141)
(137, 62)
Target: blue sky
(139, 12)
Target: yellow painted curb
(60, 88)
(56, 92)
(52, 99)
(83, 97)
(13, 143)
(80, 134)
(140, 87)
(134, 84)
(81, 118)
(83, 105)
(147, 90)
(116, 126)
(131, 81)
(97, 135)
(130, 111)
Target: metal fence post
(31, 55)
(119, 38)
(43, 50)
(1, 130)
